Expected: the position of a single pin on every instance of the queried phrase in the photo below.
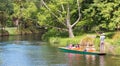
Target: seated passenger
(70, 46)
(90, 48)
(77, 47)
(93, 48)
(87, 48)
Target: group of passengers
(88, 48)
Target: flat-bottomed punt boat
(64, 49)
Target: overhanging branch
(53, 13)
(79, 14)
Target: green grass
(12, 30)
(58, 41)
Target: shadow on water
(28, 37)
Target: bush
(66, 41)
(54, 33)
(4, 33)
(116, 38)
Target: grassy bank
(58, 41)
(112, 41)
(12, 31)
(15, 31)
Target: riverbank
(14, 31)
(112, 41)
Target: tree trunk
(69, 26)
(67, 22)
(70, 30)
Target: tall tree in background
(103, 15)
(65, 12)
(5, 11)
(24, 12)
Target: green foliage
(101, 14)
(26, 10)
(5, 11)
(116, 39)
(76, 40)
(43, 17)
(57, 41)
(12, 31)
(29, 10)
(96, 14)
(3, 18)
(111, 25)
(97, 43)
(52, 32)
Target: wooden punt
(64, 49)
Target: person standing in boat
(102, 38)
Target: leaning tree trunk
(71, 35)
(67, 23)
(69, 26)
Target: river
(29, 50)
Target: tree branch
(48, 8)
(78, 2)
(63, 9)
(52, 12)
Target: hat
(103, 34)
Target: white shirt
(102, 38)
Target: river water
(29, 50)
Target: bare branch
(78, 2)
(59, 11)
(48, 8)
(63, 9)
(52, 12)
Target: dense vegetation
(60, 17)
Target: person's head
(70, 44)
(103, 34)
(93, 46)
(73, 45)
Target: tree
(5, 11)
(103, 14)
(63, 13)
(24, 10)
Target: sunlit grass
(57, 41)
(12, 31)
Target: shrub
(116, 38)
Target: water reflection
(85, 60)
(90, 60)
(28, 37)
(4, 38)
(101, 59)
(70, 59)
